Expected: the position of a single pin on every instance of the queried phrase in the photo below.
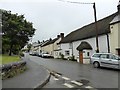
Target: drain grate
(84, 81)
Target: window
(88, 53)
(96, 55)
(114, 57)
(56, 53)
(104, 56)
(67, 53)
(60, 54)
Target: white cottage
(81, 43)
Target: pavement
(35, 76)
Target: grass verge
(5, 59)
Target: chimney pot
(58, 36)
(62, 35)
(118, 7)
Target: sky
(52, 17)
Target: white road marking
(56, 79)
(66, 78)
(88, 87)
(75, 82)
(57, 75)
(68, 85)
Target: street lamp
(95, 16)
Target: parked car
(46, 55)
(30, 53)
(105, 60)
(40, 55)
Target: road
(73, 71)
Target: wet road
(99, 78)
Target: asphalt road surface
(70, 72)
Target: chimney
(58, 36)
(62, 35)
(118, 7)
(50, 39)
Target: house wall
(103, 46)
(65, 47)
(48, 49)
(56, 49)
(51, 47)
(114, 37)
(55, 44)
(119, 35)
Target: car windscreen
(117, 57)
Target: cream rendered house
(52, 45)
(115, 33)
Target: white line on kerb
(66, 78)
(88, 87)
(75, 82)
(68, 85)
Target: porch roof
(84, 45)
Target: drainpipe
(72, 48)
(108, 43)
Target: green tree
(29, 47)
(16, 32)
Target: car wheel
(96, 64)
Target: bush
(21, 54)
(72, 58)
(62, 56)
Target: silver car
(105, 60)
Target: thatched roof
(84, 45)
(89, 31)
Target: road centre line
(68, 85)
(88, 87)
(66, 78)
(56, 79)
(57, 75)
(75, 82)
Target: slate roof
(35, 44)
(50, 42)
(89, 31)
(116, 19)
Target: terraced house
(81, 43)
(52, 45)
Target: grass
(5, 59)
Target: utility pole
(95, 16)
(96, 28)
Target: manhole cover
(84, 81)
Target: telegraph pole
(95, 16)
(96, 28)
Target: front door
(81, 57)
